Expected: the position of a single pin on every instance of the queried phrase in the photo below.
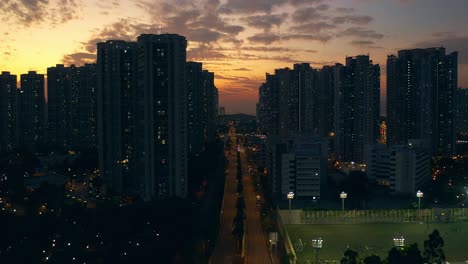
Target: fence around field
(288, 246)
(435, 215)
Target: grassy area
(368, 239)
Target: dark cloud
(358, 20)
(266, 22)
(451, 42)
(32, 12)
(312, 28)
(368, 44)
(323, 7)
(361, 33)
(304, 2)
(316, 37)
(274, 49)
(241, 69)
(345, 10)
(304, 15)
(264, 38)
(362, 42)
(205, 52)
(249, 6)
(198, 21)
(79, 58)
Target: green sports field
(368, 239)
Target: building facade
(461, 100)
(297, 164)
(421, 85)
(162, 82)
(402, 168)
(31, 111)
(357, 107)
(116, 93)
(8, 119)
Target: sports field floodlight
(420, 195)
(317, 245)
(343, 196)
(290, 196)
(399, 241)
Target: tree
(413, 255)
(433, 248)
(408, 255)
(349, 257)
(395, 256)
(240, 205)
(372, 260)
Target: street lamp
(420, 195)
(399, 241)
(290, 196)
(317, 244)
(343, 196)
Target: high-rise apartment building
(31, 111)
(8, 98)
(71, 106)
(421, 85)
(162, 82)
(116, 93)
(202, 105)
(87, 107)
(357, 107)
(462, 110)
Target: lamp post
(420, 195)
(343, 196)
(399, 241)
(317, 244)
(290, 196)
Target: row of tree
(238, 221)
(433, 253)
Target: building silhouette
(116, 93)
(71, 106)
(357, 107)
(31, 111)
(162, 82)
(202, 106)
(338, 102)
(154, 109)
(421, 85)
(461, 100)
(8, 104)
(87, 107)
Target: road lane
(257, 249)
(225, 250)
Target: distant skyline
(236, 39)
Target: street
(225, 250)
(257, 248)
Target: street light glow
(290, 195)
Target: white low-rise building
(403, 168)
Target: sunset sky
(239, 40)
